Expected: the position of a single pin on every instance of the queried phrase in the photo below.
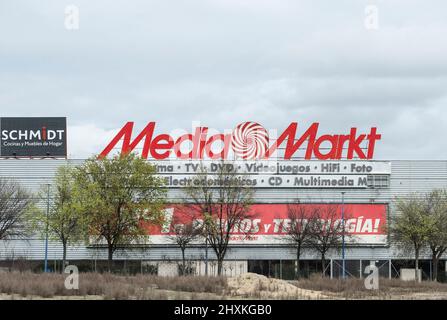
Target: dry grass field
(15, 285)
(354, 288)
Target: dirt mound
(253, 285)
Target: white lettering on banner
(23, 137)
(167, 221)
(32, 135)
(269, 223)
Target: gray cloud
(225, 61)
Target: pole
(280, 269)
(343, 234)
(389, 269)
(361, 269)
(431, 270)
(332, 269)
(46, 229)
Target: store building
(343, 174)
(266, 254)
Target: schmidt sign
(33, 137)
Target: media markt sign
(248, 141)
(33, 137)
(263, 160)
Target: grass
(355, 288)
(108, 285)
(149, 287)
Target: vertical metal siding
(407, 177)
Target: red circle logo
(249, 140)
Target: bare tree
(299, 232)
(326, 230)
(412, 226)
(15, 203)
(184, 235)
(436, 206)
(222, 200)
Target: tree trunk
(183, 262)
(416, 269)
(64, 255)
(219, 266)
(435, 267)
(323, 262)
(110, 258)
(297, 269)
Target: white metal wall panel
(407, 177)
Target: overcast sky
(222, 62)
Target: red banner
(267, 223)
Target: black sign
(33, 137)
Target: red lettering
(161, 146)
(342, 139)
(162, 142)
(333, 139)
(292, 147)
(178, 145)
(196, 142)
(372, 138)
(126, 133)
(355, 144)
(225, 139)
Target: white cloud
(87, 140)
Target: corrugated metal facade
(406, 177)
